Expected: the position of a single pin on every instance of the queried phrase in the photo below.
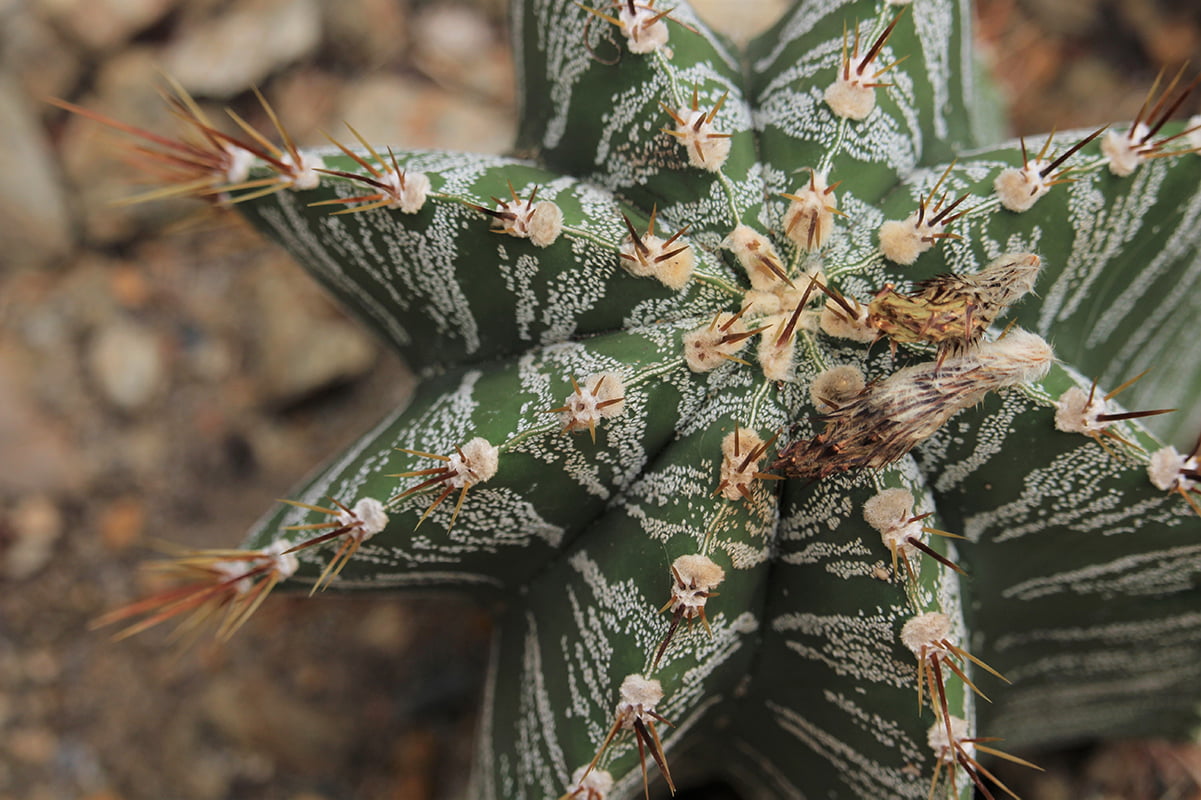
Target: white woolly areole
(477, 463)
(903, 242)
(644, 33)
(1018, 357)
(835, 386)
(755, 252)
(835, 323)
(1019, 189)
(762, 302)
(596, 786)
(698, 572)
(1123, 150)
(1076, 413)
(926, 632)
(809, 220)
(697, 576)
(540, 222)
(1165, 470)
(240, 160)
(283, 564)
(365, 519)
(736, 479)
(639, 695)
(670, 264)
(705, 348)
(850, 99)
(233, 573)
(408, 190)
(303, 176)
(775, 357)
(593, 401)
(944, 749)
(1194, 135)
(889, 512)
(706, 148)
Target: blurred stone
(1167, 34)
(1064, 17)
(42, 62)
(305, 345)
(128, 285)
(32, 745)
(41, 666)
(265, 717)
(34, 224)
(385, 629)
(458, 47)
(366, 34)
(306, 101)
(104, 24)
(416, 758)
(238, 49)
(36, 525)
(402, 112)
(126, 362)
(122, 522)
(48, 455)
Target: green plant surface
(1076, 574)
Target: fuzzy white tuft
(365, 519)
(706, 348)
(706, 148)
(600, 396)
(925, 633)
(540, 222)
(944, 750)
(888, 510)
(1166, 467)
(1194, 134)
(644, 34)
(409, 190)
(835, 323)
(776, 357)
(1123, 150)
(283, 564)
(638, 696)
(835, 386)
(595, 785)
(903, 242)
(1019, 189)
(699, 572)
(757, 256)
(1076, 413)
(809, 220)
(850, 99)
(478, 463)
(1018, 357)
(736, 478)
(303, 176)
(240, 161)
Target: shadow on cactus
(727, 530)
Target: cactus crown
(651, 398)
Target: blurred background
(164, 376)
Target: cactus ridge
(652, 395)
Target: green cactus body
(600, 399)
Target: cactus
(650, 397)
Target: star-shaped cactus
(650, 397)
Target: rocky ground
(164, 376)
